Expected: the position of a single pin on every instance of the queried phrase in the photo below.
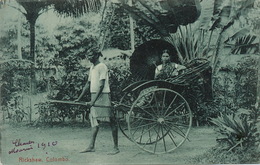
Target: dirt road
(61, 145)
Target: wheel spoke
(175, 109)
(160, 120)
(136, 128)
(163, 139)
(145, 132)
(140, 126)
(149, 135)
(156, 140)
(155, 112)
(135, 121)
(156, 103)
(169, 118)
(147, 111)
(142, 118)
(176, 123)
(157, 132)
(163, 102)
(170, 104)
(148, 139)
(142, 135)
(180, 119)
(171, 137)
(180, 124)
(181, 134)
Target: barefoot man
(98, 84)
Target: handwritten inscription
(20, 146)
(18, 143)
(49, 144)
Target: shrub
(119, 72)
(239, 141)
(70, 88)
(217, 155)
(55, 112)
(237, 129)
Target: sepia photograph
(129, 82)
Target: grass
(217, 155)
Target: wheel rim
(159, 121)
(127, 99)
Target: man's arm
(85, 88)
(101, 87)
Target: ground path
(66, 143)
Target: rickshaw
(154, 114)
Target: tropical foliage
(194, 39)
(239, 137)
(33, 9)
(237, 130)
(163, 16)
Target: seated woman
(167, 69)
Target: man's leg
(91, 147)
(114, 128)
(93, 137)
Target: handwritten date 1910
(49, 144)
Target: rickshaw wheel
(127, 100)
(159, 121)
(122, 116)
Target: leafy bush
(15, 108)
(55, 112)
(47, 113)
(118, 73)
(239, 141)
(237, 130)
(205, 110)
(217, 155)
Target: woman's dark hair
(166, 51)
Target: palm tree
(34, 8)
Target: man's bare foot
(114, 151)
(88, 150)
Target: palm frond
(206, 13)
(153, 22)
(244, 45)
(76, 8)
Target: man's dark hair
(99, 54)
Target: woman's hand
(77, 100)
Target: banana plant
(225, 13)
(242, 42)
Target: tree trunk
(19, 48)
(32, 22)
(132, 29)
(32, 40)
(258, 85)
